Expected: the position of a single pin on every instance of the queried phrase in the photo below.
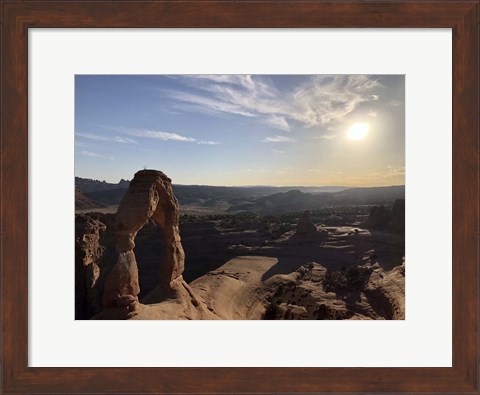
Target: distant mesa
(83, 202)
(263, 200)
(87, 185)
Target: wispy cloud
(118, 139)
(159, 135)
(95, 155)
(206, 142)
(391, 174)
(372, 114)
(167, 136)
(278, 139)
(395, 103)
(80, 143)
(323, 100)
(90, 154)
(396, 170)
(277, 151)
(325, 137)
(278, 122)
(330, 98)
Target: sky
(282, 130)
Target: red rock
(149, 195)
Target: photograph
(222, 164)
(239, 197)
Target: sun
(358, 131)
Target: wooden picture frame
(19, 16)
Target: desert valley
(259, 252)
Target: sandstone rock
(122, 281)
(386, 291)
(88, 254)
(149, 195)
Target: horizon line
(259, 185)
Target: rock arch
(149, 195)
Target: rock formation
(83, 203)
(283, 272)
(388, 219)
(149, 195)
(379, 218)
(305, 226)
(358, 292)
(397, 223)
(88, 254)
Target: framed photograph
(237, 197)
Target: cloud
(372, 114)
(90, 154)
(395, 103)
(167, 136)
(277, 151)
(95, 155)
(396, 170)
(208, 142)
(325, 137)
(203, 104)
(278, 122)
(118, 139)
(164, 136)
(124, 140)
(391, 175)
(328, 99)
(278, 139)
(320, 100)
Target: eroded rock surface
(88, 255)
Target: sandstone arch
(149, 195)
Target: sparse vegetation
(272, 311)
(346, 279)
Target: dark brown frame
(19, 16)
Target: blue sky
(240, 129)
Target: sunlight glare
(358, 131)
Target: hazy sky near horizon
(284, 130)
